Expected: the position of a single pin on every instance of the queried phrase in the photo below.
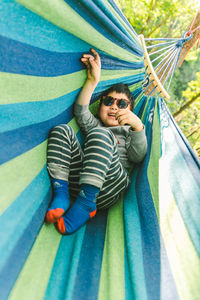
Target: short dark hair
(119, 88)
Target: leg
(109, 174)
(100, 158)
(63, 157)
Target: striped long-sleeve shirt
(132, 145)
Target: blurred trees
(171, 18)
(185, 99)
(159, 18)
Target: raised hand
(93, 64)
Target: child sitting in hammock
(96, 175)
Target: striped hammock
(147, 247)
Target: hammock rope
(162, 73)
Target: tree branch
(193, 131)
(186, 105)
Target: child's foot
(61, 201)
(81, 211)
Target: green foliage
(189, 119)
(171, 18)
(181, 79)
(163, 18)
(185, 97)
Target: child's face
(107, 113)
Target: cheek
(102, 110)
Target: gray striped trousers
(97, 163)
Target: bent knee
(62, 129)
(101, 133)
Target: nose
(114, 105)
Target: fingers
(86, 62)
(121, 117)
(122, 120)
(97, 57)
(125, 117)
(122, 112)
(88, 58)
(128, 117)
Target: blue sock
(83, 209)
(61, 200)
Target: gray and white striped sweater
(132, 145)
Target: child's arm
(137, 146)
(85, 119)
(93, 64)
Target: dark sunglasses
(121, 103)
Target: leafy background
(171, 18)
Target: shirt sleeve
(85, 119)
(137, 146)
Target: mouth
(112, 115)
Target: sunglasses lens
(108, 101)
(122, 103)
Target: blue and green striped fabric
(145, 247)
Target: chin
(112, 125)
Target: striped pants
(97, 163)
